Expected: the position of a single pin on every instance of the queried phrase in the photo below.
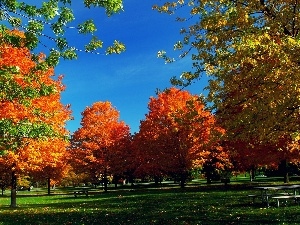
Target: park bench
(285, 198)
(81, 192)
(252, 197)
(264, 198)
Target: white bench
(285, 197)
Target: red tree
(177, 135)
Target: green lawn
(166, 204)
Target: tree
(49, 156)
(97, 144)
(57, 16)
(48, 160)
(250, 50)
(177, 135)
(30, 107)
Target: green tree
(250, 50)
(35, 19)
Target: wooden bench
(252, 197)
(82, 192)
(285, 197)
(264, 198)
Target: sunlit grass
(166, 204)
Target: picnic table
(81, 192)
(265, 193)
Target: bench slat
(286, 197)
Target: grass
(167, 204)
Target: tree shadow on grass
(192, 205)
(116, 211)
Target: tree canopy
(250, 50)
(31, 111)
(177, 135)
(98, 145)
(51, 19)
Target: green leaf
(49, 9)
(53, 59)
(61, 43)
(117, 48)
(31, 40)
(15, 21)
(87, 27)
(30, 10)
(13, 133)
(66, 15)
(111, 6)
(94, 44)
(35, 26)
(58, 28)
(70, 54)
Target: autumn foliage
(177, 135)
(32, 118)
(99, 145)
(250, 51)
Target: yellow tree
(250, 50)
(177, 135)
(99, 141)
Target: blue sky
(130, 79)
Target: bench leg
(252, 197)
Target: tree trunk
(13, 195)
(183, 179)
(286, 178)
(130, 178)
(48, 184)
(208, 177)
(116, 180)
(156, 180)
(105, 180)
(252, 173)
(285, 171)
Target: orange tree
(177, 135)
(27, 113)
(51, 156)
(97, 146)
(48, 160)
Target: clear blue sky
(130, 79)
